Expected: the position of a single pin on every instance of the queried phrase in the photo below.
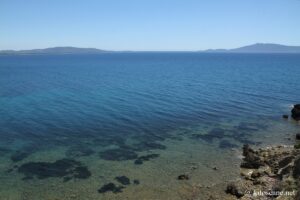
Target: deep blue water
(132, 92)
(49, 101)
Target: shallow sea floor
(126, 125)
(208, 155)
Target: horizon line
(149, 50)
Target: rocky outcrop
(271, 170)
(296, 112)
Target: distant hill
(259, 48)
(255, 48)
(56, 50)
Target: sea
(126, 125)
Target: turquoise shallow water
(78, 127)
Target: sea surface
(126, 125)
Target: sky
(172, 25)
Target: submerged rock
(240, 133)
(67, 178)
(285, 116)
(118, 154)
(81, 172)
(183, 177)
(123, 180)
(225, 144)
(141, 159)
(60, 168)
(110, 187)
(215, 133)
(79, 151)
(296, 112)
(145, 146)
(4, 151)
(19, 155)
(249, 127)
(24, 152)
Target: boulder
(296, 112)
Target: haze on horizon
(148, 25)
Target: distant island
(259, 48)
(56, 50)
(255, 48)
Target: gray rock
(235, 189)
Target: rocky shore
(271, 172)
(268, 173)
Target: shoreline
(266, 173)
(270, 172)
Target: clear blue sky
(147, 24)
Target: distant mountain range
(255, 48)
(259, 48)
(56, 50)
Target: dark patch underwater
(110, 187)
(141, 159)
(123, 180)
(64, 168)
